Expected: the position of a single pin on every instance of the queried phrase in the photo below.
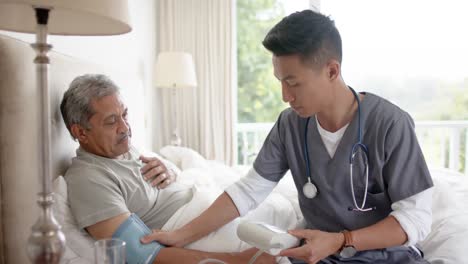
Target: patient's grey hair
(76, 103)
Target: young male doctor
(363, 184)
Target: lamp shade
(175, 69)
(67, 17)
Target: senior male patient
(109, 180)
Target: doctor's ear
(79, 132)
(333, 69)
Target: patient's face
(110, 133)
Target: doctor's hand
(318, 246)
(155, 172)
(169, 238)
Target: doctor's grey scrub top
(397, 169)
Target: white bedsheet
(209, 180)
(446, 243)
(272, 211)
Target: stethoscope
(310, 190)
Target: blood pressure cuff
(131, 231)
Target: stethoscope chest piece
(310, 190)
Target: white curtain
(206, 114)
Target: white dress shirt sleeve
(415, 215)
(250, 191)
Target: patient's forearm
(218, 214)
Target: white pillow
(184, 158)
(79, 245)
(447, 243)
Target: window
(259, 93)
(413, 53)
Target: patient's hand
(155, 172)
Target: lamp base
(175, 139)
(47, 242)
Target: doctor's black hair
(311, 35)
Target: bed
(19, 158)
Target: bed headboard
(19, 138)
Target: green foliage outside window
(259, 93)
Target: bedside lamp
(175, 70)
(59, 17)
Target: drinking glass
(109, 251)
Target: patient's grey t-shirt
(100, 188)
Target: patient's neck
(125, 156)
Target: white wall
(132, 53)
